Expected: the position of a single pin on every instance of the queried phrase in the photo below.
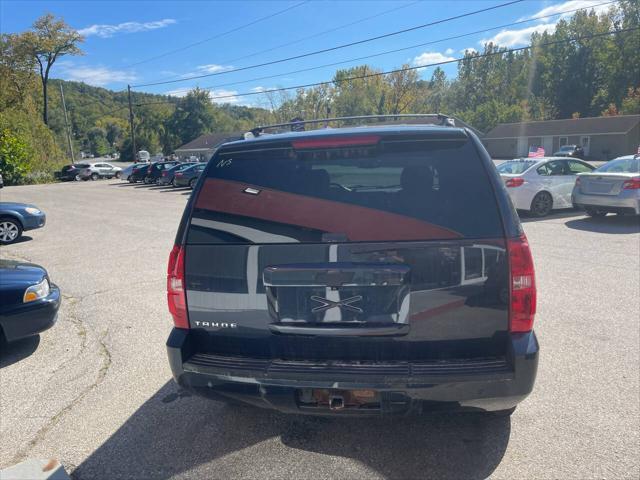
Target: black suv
(154, 170)
(370, 270)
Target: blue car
(29, 302)
(16, 218)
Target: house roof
(209, 141)
(619, 124)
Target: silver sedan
(612, 188)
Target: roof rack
(295, 125)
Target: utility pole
(66, 124)
(133, 134)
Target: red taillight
(149, 169)
(632, 184)
(176, 297)
(523, 286)
(336, 142)
(514, 182)
(164, 174)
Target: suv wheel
(192, 183)
(95, 176)
(10, 230)
(118, 175)
(541, 204)
(594, 212)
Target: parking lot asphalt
(96, 392)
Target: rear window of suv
(420, 189)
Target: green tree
(14, 156)
(193, 116)
(48, 40)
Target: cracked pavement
(95, 391)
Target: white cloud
(98, 76)
(260, 89)
(449, 51)
(517, 38)
(178, 92)
(106, 31)
(521, 37)
(227, 94)
(428, 58)
(213, 68)
(568, 5)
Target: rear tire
(118, 175)
(95, 176)
(192, 183)
(10, 230)
(594, 212)
(542, 204)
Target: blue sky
(121, 34)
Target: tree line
(563, 75)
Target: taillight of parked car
(523, 286)
(164, 174)
(176, 297)
(514, 182)
(632, 184)
(149, 169)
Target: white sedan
(539, 185)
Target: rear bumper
(31, 318)
(403, 388)
(629, 200)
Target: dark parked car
(1, 181)
(370, 270)
(29, 302)
(167, 175)
(575, 151)
(16, 218)
(155, 169)
(71, 172)
(189, 176)
(138, 173)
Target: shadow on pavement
(22, 239)
(13, 352)
(616, 224)
(176, 434)
(526, 217)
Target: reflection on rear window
(516, 167)
(409, 190)
(621, 165)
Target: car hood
(19, 273)
(15, 205)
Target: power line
(387, 52)
(338, 47)
(324, 32)
(417, 67)
(233, 30)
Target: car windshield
(515, 166)
(567, 148)
(620, 165)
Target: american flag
(536, 153)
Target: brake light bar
(522, 309)
(360, 140)
(514, 182)
(631, 184)
(176, 297)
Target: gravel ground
(95, 391)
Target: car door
(558, 181)
(107, 170)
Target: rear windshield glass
(517, 167)
(397, 190)
(621, 165)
